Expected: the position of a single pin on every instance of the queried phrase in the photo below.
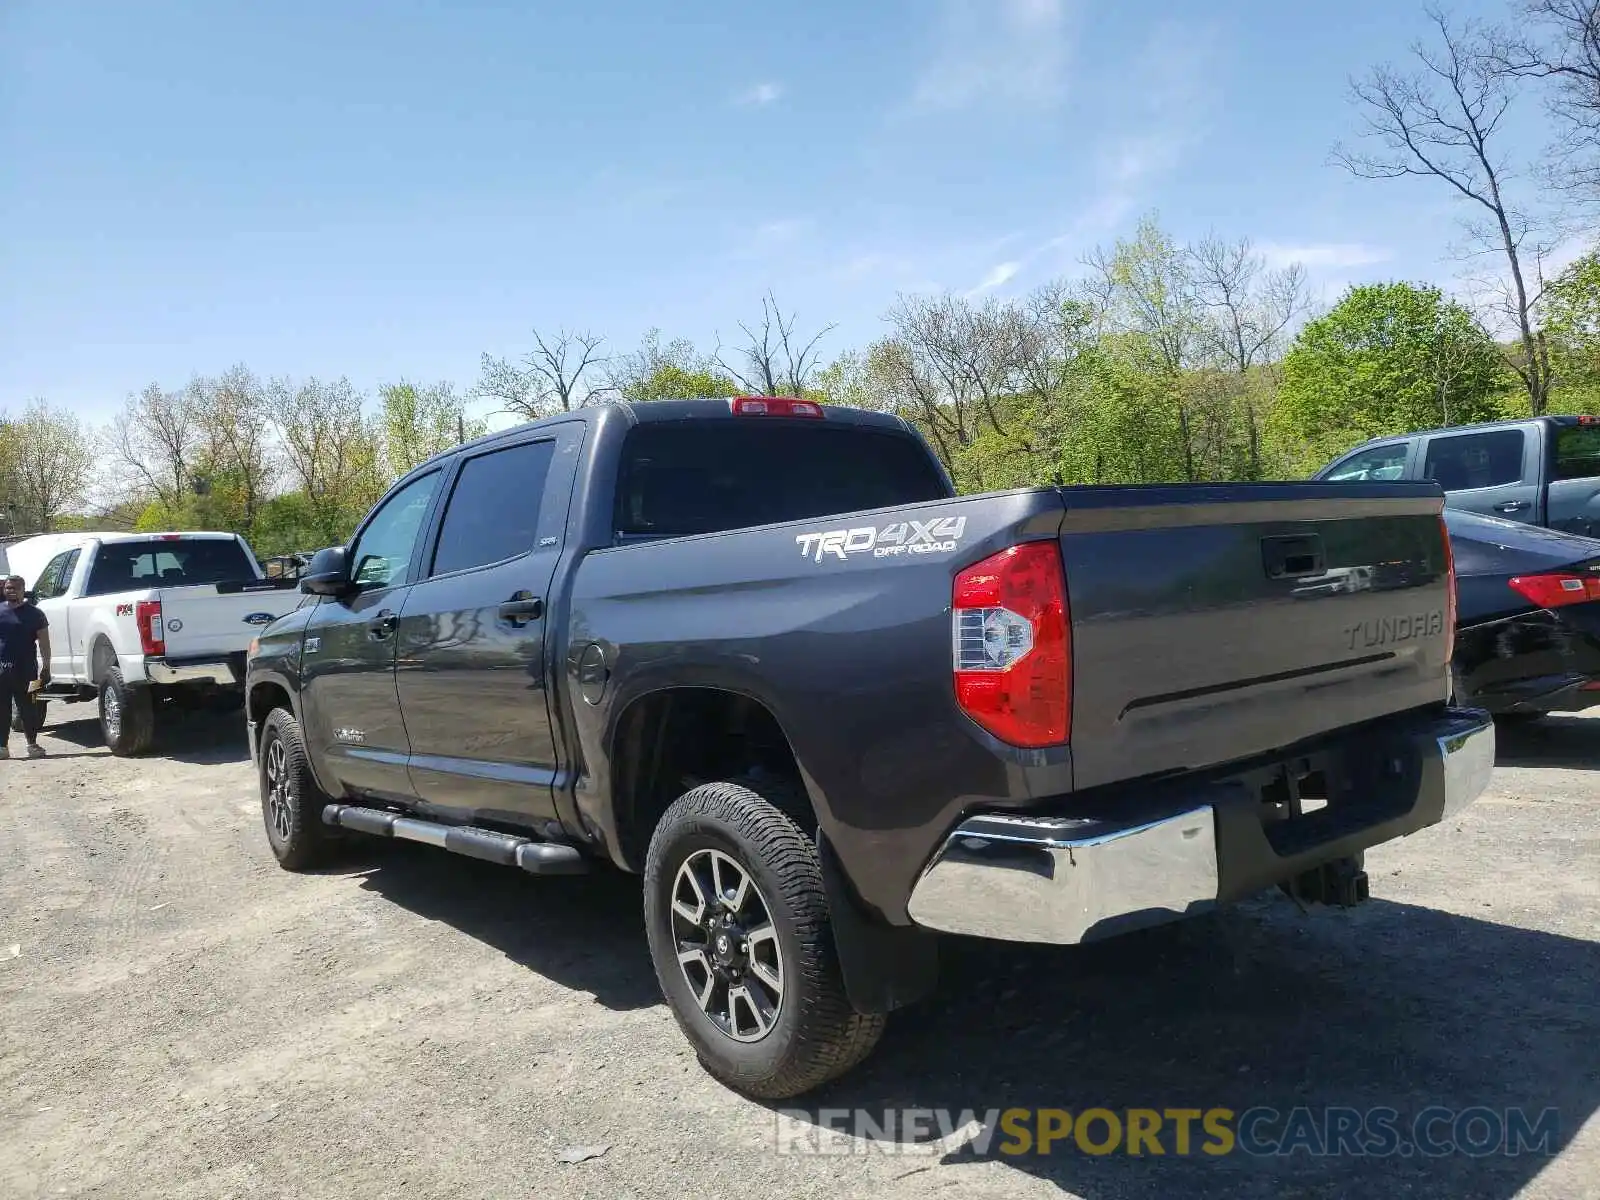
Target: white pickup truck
(144, 623)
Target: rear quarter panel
(112, 618)
(846, 640)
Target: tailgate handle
(1292, 557)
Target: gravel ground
(184, 1019)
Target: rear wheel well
(265, 697)
(101, 659)
(671, 741)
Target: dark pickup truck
(761, 653)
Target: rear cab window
(1577, 452)
(166, 562)
(684, 478)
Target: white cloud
(770, 237)
(760, 95)
(1315, 256)
(1167, 84)
(872, 265)
(1011, 50)
(998, 276)
(786, 229)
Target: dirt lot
(183, 1019)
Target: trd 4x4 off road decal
(939, 535)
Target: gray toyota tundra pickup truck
(761, 653)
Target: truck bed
(1207, 625)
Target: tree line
(1157, 361)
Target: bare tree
(49, 459)
(235, 421)
(957, 368)
(911, 388)
(330, 447)
(1055, 325)
(1443, 121)
(559, 374)
(1250, 308)
(1567, 58)
(775, 360)
(157, 439)
(673, 371)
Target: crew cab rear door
(471, 666)
(1496, 472)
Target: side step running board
(508, 850)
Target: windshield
(167, 562)
(685, 478)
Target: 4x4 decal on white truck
(939, 535)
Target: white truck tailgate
(201, 622)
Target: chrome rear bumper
(1063, 879)
(217, 672)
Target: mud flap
(885, 967)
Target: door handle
(1511, 506)
(521, 609)
(385, 624)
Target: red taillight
(1450, 592)
(152, 636)
(774, 406)
(1557, 588)
(1013, 645)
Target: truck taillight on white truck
(145, 623)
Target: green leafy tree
(1572, 333)
(46, 457)
(675, 371)
(1388, 358)
(333, 453)
(418, 422)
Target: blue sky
(381, 190)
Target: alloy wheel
(279, 798)
(727, 945)
(111, 712)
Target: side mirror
(328, 574)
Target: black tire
(291, 802)
(127, 715)
(814, 1034)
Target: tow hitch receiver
(1341, 883)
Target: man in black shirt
(24, 642)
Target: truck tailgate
(1212, 624)
(211, 620)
